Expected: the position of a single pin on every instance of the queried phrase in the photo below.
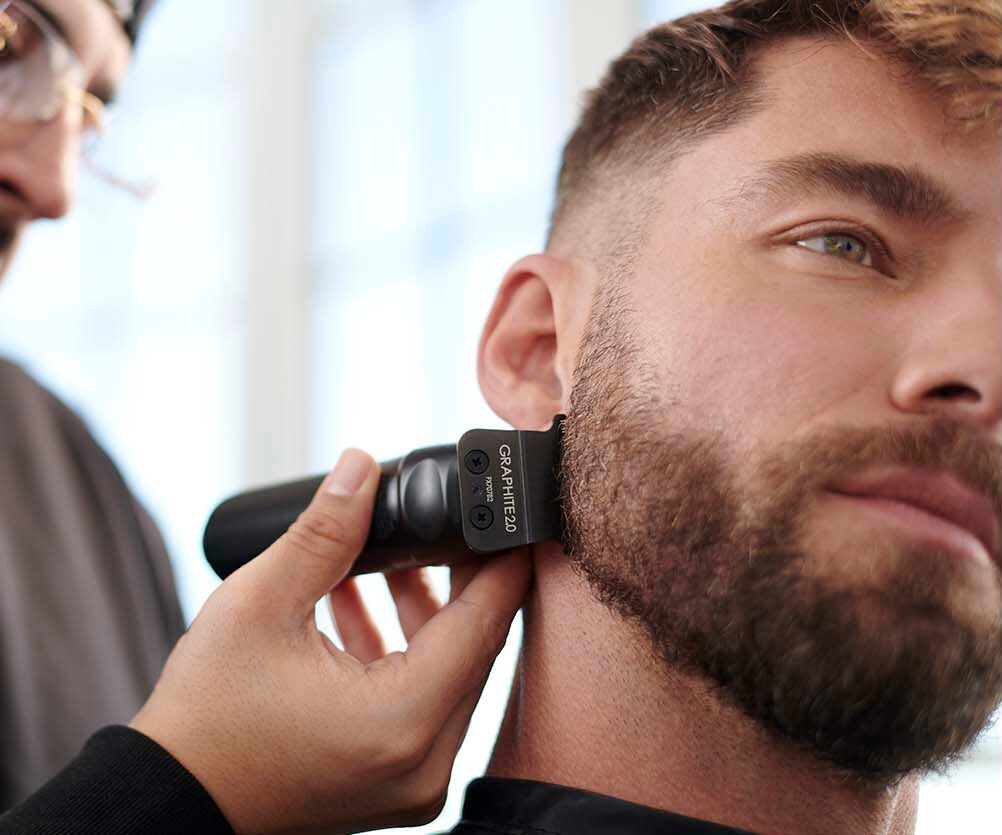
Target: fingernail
(350, 473)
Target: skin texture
(740, 337)
(39, 163)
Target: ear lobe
(517, 360)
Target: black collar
(529, 806)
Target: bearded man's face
(800, 359)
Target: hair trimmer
(493, 491)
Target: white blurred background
(341, 186)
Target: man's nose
(954, 367)
(39, 164)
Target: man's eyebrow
(908, 193)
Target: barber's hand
(289, 733)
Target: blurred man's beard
(10, 231)
(879, 679)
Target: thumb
(318, 549)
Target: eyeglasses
(40, 76)
(39, 72)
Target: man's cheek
(797, 386)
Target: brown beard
(10, 229)
(878, 678)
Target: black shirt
(495, 806)
(123, 783)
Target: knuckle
(424, 794)
(386, 672)
(495, 631)
(318, 531)
(404, 741)
(411, 750)
(428, 802)
(493, 626)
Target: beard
(880, 675)
(10, 230)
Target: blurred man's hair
(696, 76)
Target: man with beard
(770, 306)
(88, 611)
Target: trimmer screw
(482, 517)
(477, 461)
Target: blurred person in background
(88, 610)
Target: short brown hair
(693, 77)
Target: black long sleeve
(122, 783)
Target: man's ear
(519, 365)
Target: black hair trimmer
(493, 491)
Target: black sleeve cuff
(122, 783)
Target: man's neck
(591, 707)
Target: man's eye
(848, 247)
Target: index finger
(452, 653)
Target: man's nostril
(955, 391)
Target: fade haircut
(687, 80)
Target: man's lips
(934, 492)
